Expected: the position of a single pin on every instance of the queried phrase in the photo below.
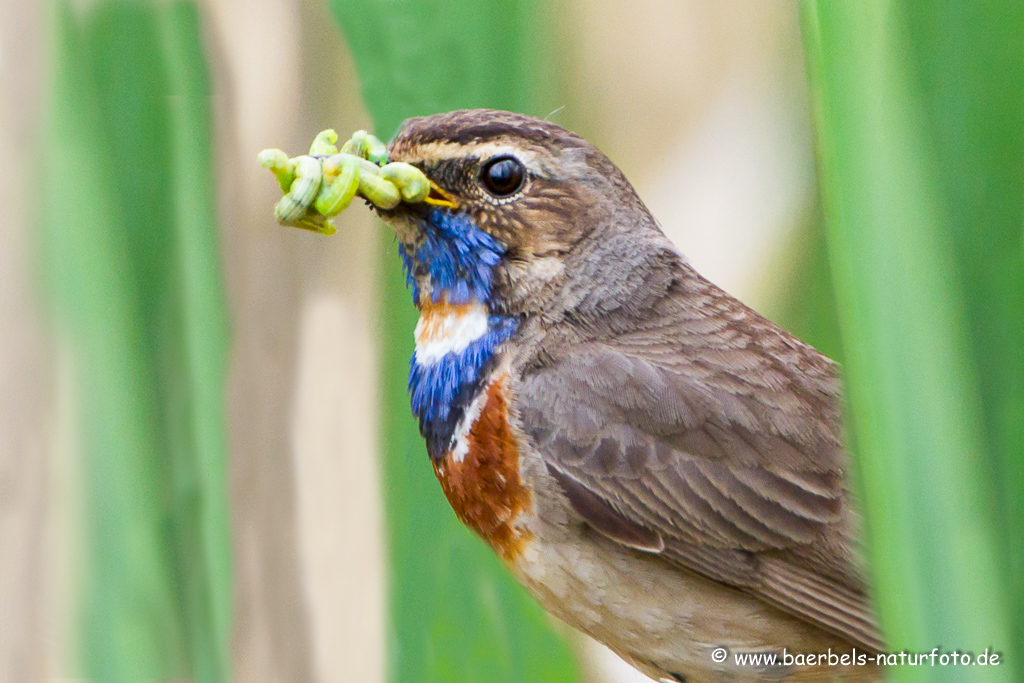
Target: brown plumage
(684, 453)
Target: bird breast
(480, 475)
(444, 329)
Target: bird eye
(503, 176)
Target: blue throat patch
(458, 256)
(459, 259)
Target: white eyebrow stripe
(436, 151)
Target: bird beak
(439, 197)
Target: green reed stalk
(918, 112)
(132, 263)
(455, 613)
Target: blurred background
(208, 469)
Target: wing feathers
(742, 488)
(694, 426)
(780, 522)
(808, 503)
(605, 519)
(835, 606)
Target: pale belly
(662, 619)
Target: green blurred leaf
(130, 596)
(968, 59)
(203, 503)
(132, 262)
(893, 182)
(455, 613)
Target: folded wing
(714, 441)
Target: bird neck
(451, 273)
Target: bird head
(514, 199)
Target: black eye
(503, 176)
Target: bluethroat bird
(659, 465)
